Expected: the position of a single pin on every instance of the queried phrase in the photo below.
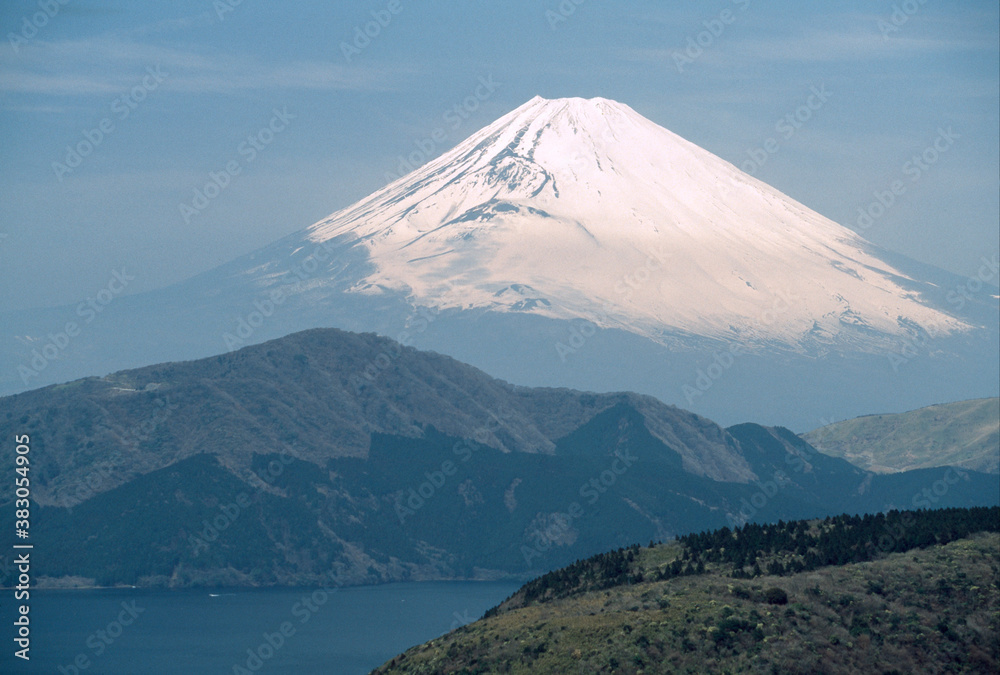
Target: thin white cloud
(110, 65)
(36, 109)
(173, 25)
(857, 45)
(852, 45)
(14, 81)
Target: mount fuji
(574, 242)
(584, 209)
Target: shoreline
(124, 587)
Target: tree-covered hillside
(904, 592)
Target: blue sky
(210, 74)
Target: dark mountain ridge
(328, 452)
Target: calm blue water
(350, 631)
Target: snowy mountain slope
(577, 208)
(510, 250)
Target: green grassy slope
(966, 434)
(928, 610)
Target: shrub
(727, 629)
(776, 596)
(741, 592)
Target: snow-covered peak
(584, 208)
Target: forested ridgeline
(755, 549)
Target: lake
(348, 631)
